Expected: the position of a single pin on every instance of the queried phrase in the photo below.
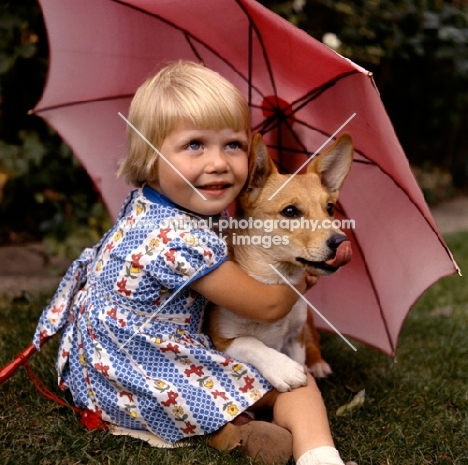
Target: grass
(415, 412)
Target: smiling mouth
(215, 188)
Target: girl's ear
(261, 165)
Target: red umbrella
(300, 92)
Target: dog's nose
(340, 250)
(334, 241)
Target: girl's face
(214, 162)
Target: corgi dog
(281, 350)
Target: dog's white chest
(277, 335)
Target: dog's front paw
(285, 374)
(320, 369)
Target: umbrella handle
(91, 419)
(9, 369)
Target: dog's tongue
(343, 255)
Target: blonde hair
(186, 92)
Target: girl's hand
(308, 281)
(311, 280)
(230, 287)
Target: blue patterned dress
(131, 347)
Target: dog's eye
(330, 208)
(291, 212)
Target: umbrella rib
(260, 40)
(298, 151)
(314, 93)
(372, 283)
(250, 65)
(269, 123)
(190, 38)
(81, 102)
(273, 122)
(313, 155)
(364, 162)
(187, 34)
(399, 186)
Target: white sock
(325, 455)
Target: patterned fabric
(131, 346)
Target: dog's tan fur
(281, 349)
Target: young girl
(131, 307)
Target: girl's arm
(230, 287)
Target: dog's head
(302, 205)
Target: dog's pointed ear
(334, 164)
(261, 165)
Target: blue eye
(236, 145)
(194, 145)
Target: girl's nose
(217, 160)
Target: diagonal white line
(313, 308)
(140, 329)
(313, 155)
(162, 156)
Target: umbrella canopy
(300, 93)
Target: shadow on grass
(416, 408)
